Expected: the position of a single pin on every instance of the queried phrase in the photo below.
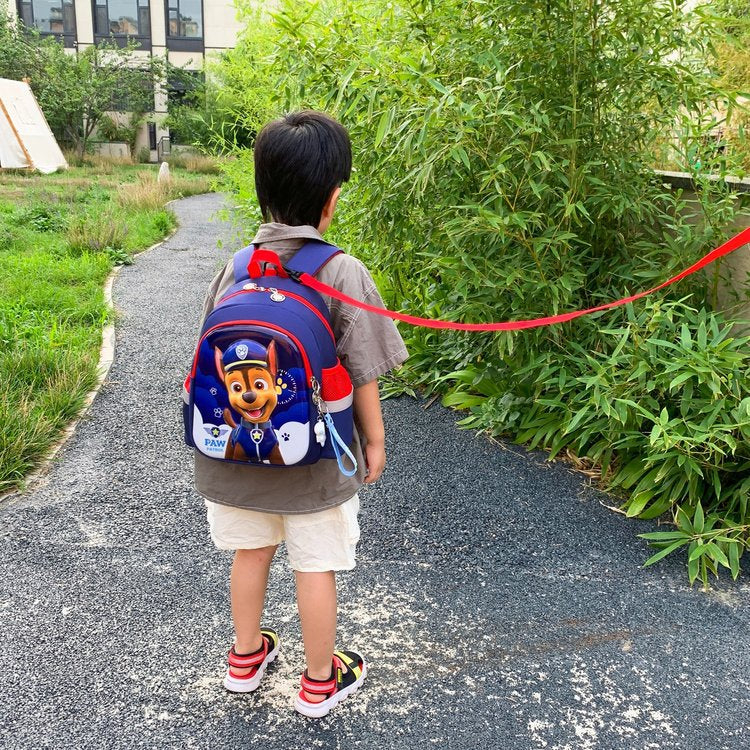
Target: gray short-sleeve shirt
(368, 345)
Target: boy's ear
(328, 209)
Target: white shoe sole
(317, 710)
(235, 685)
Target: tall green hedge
(503, 155)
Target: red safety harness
(514, 325)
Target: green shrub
(7, 238)
(502, 155)
(41, 218)
(164, 222)
(663, 407)
(195, 163)
(124, 128)
(60, 235)
(204, 118)
(94, 231)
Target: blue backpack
(266, 387)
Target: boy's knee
(256, 555)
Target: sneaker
(259, 660)
(347, 674)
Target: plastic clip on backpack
(266, 386)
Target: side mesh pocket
(338, 393)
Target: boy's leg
(247, 588)
(316, 600)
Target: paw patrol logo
(286, 387)
(241, 351)
(215, 438)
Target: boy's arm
(370, 418)
(221, 282)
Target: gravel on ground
(499, 604)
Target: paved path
(500, 604)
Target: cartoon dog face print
(248, 370)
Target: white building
(185, 31)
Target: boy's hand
(375, 459)
(367, 408)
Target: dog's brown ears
(218, 354)
(272, 360)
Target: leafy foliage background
(503, 155)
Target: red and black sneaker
(347, 674)
(257, 661)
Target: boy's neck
(320, 229)
(326, 215)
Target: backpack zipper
(286, 293)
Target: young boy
(301, 162)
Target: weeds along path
(60, 236)
(499, 604)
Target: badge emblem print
(256, 436)
(242, 351)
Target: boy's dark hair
(300, 160)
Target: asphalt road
(499, 603)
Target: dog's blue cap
(244, 353)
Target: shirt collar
(277, 232)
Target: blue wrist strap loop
(337, 441)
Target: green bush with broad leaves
(503, 155)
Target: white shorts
(315, 542)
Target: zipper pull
(320, 405)
(320, 431)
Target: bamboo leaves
(710, 543)
(503, 155)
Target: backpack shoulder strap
(312, 256)
(241, 261)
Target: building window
(134, 92)
(122, 18)
(185, 87)
(185, 97)
(50, 17)
(185, 19)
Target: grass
(195, 163)
(146, 193)
(60, 236)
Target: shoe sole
(236, 685)
(318, 710)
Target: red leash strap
(514, 325)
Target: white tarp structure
(25, 138)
